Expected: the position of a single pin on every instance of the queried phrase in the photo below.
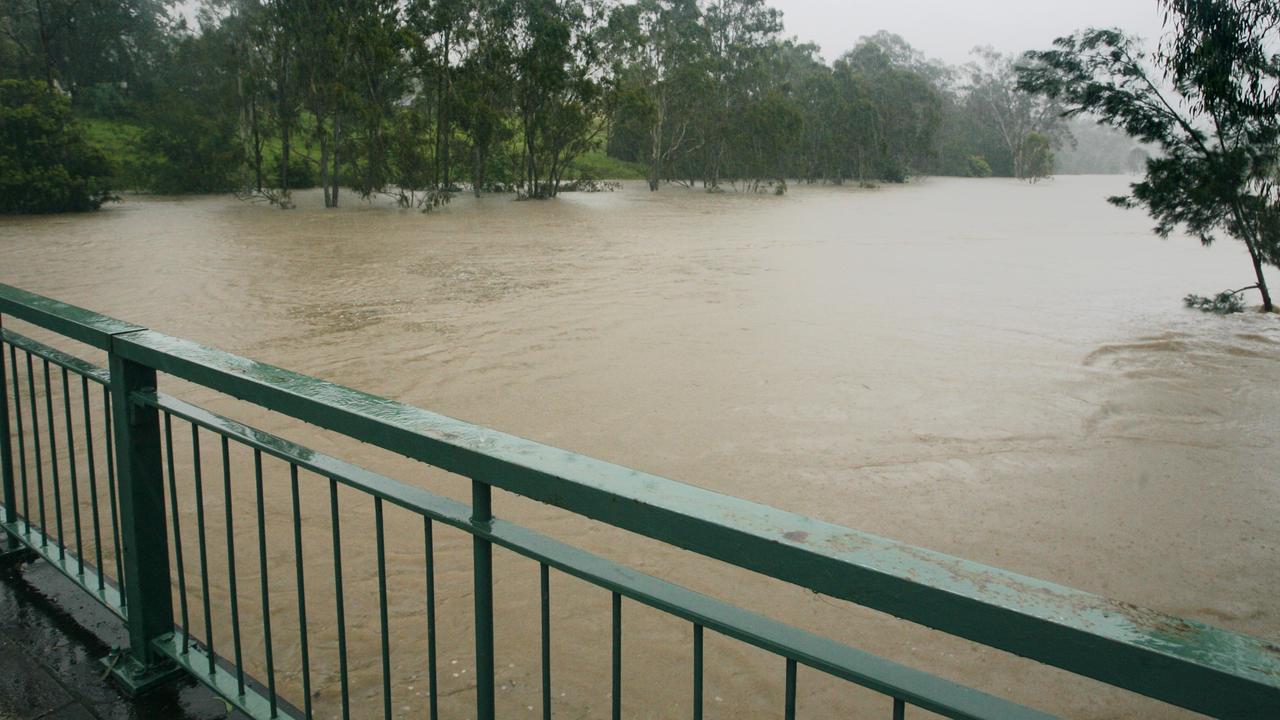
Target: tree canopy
(1217, 126)
(417, 99)
(45, 164)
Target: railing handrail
(902, 683)
(1183, 662)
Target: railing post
(482, 514)
(144, 540)
(14, 550)
(6, 445)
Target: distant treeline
(417, 97)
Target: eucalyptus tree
(77, 44)
(378, 77)
(1011, 111)
(281, 76)
(813, 94)
(557, 86)
(192, 135)
(1216, 122)
(439, 28)
(484, 90)
(742, 36)
(240, 32)
(899, 110)
(659, 52)
(321, 33)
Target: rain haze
(950, 30)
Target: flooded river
(990, 369)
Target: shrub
(978, 167)
(45, 164)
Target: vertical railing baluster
(177, 533)
(231, 565)
(789, 711)
(53, 461)
(6, 446)
(203, 546)
(382, 608)
(142, 524)
(697, 672)
(109, 443)
(262, 574)
(544, 580)
(93, 483)
(617, 656)
(341, 608)
(899, 709)
(428, 544)
(22, 441)
(482, 559)
(302, 593)
(35, 449)
(71, 457)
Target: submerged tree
(1037, 157)
(1218, 130)
(1012, 111)
(659, 52)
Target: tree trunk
(442, 115)
(324, 162)
(1262, 280)
(284, 127)
(655, 148)
(655, 158)
(479, 158)
(284, 158)
(44, 45)
(257, 145)
(337, 142)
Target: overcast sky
(949, 29)
(945, 29)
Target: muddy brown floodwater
(994, 370)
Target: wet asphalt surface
(52, 641)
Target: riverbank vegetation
(46, 165)
(419, 99)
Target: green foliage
(302, 173)
(189, 142)
(1037, 157)
(102, 100)
(83, 45)
(978, 167)
(891, 110)
(388, 96)
(190, 152)
(1219, 136)
(556, 59)
(45, 163)
(1224, 303)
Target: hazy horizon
(949, 30)
(945, 30)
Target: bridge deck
(53, 638)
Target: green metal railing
(121, 434)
